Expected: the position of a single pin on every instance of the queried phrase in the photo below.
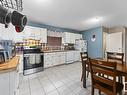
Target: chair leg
(92, 91)
(99, 92)
(88, 74)
(82, 77)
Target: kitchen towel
(38, 58)
(32, 59)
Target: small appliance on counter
(7, 49)
(2, 59)
(69, 46)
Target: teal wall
(95, 49)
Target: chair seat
(119, 86)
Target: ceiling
(77, 14)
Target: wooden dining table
(121, 71)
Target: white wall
(9, 33)
(6, 33)
(126, 45)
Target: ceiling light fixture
(94, 20)
(44, 1)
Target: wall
(126, 45)
(52, 28)
(7, 33)
(95, 49)
(10, 33)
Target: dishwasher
(33, 61)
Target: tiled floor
(60, 80)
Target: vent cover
(12, 4)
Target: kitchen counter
(51, 51)
(10, 65)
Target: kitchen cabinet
(77, 56)
(21, 63)
(70, 37)
(69, 57)
(14, 82)
(4, 84)
(43, 35)
(72, 56)
(35, 33)
(60, 58)
(48, 60)
(78, 36)
(53, 59)
(9, 83)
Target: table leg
(125, 85)
(120, 79)
(84, 77)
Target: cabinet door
(4, 84)
(43, 36)
(47, 60)
(62, 57)
(14, 82)
(21, 64)
(27, 32)
(72, 38)
(36, 32)
(67, 37)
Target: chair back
(115, 57)
(98, 69)
(84, 56)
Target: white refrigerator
(81, 45)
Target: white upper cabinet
(36, 33)
(78, 36)
(43, 35)
(70, 37)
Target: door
(126, 47)
(104, 44)
(114, 42)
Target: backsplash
(54, 42)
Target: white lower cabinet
(4, 84)
(47, 60)
(53, 59)
(72, 56)
(9, 83)
(58, 58)
(21, 63)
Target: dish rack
(13, 4)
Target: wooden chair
(107, 86)
(115, 57)
(84, 60)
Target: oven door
(33, 62)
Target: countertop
(10, 65)
(51, 51)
